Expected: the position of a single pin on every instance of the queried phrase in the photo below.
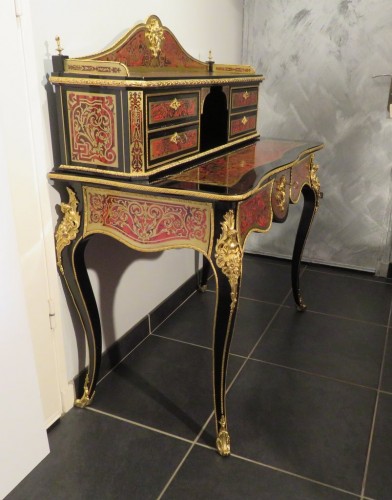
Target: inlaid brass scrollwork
(228, 254)
(68, 227)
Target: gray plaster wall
(318, 59)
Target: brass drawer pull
(175, 104)
(176, 138)
(244, 120)
(246, 95)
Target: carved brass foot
(85, 400)
(301, 306)
(223, 439)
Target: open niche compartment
(144, 106)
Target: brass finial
(59, 47)
(210, 62)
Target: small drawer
(242, 124)
(168, 145)
(167, 108)
(244, 98)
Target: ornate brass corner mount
(223, 439)
(154, 34)
(85, 400)
(280, 195)
(68, 227)
(314, 181)
(228, 254)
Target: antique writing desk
(129, 175)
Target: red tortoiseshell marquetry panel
(300, 175)
(255, 213)
(173, 108)
(93, 129)
(147, 221)
(243, 98)
(173, 144)
(242, 124)
(136, 52)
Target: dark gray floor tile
(95, 456)
(263, 279)
(386, 382)
(193, 322)
(312, 426)
(326, 345)
(345, 296)
(379, 479)
(205, 475)
(164, 384)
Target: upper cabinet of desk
(144, 106)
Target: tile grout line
(182, 461)
(294, 474)
(366, 470)
(138, 424)
(171, 479)
(150, 333)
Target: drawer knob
(176, 138)
(175, 104)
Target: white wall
(89, 26)
(318, 59)
(22, 431)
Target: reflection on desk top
(233, 176)
(243, 170)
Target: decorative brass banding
(188, 82)
(85, 400)
(223, 439)
(228, 254)
(68, 227)
(175, 104)
(280, 194)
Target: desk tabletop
(233, 175)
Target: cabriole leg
(228, 268)
(70, 261)
(309, 209)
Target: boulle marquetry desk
(212, 208)
(160, 151)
